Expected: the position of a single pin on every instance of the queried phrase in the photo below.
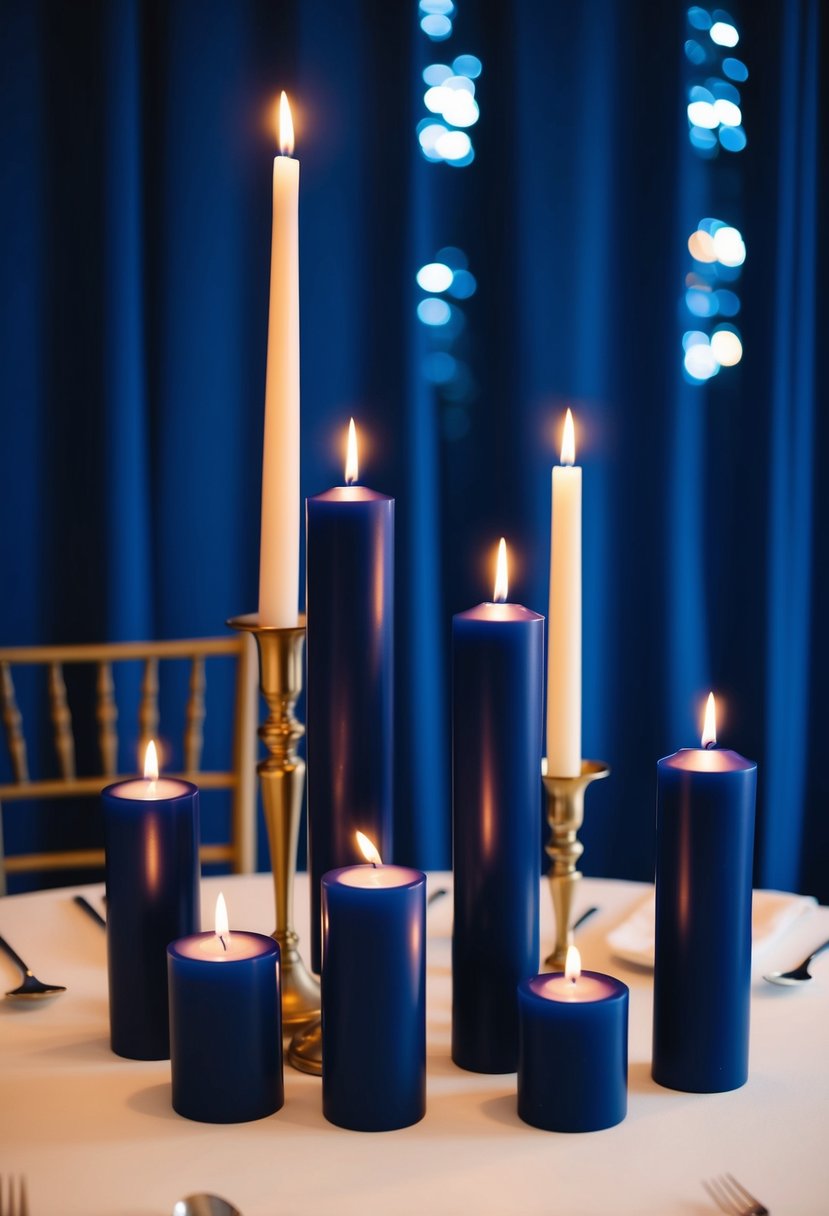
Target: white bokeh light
(727, 113)
(724, 34)
(702, 114)
(729, 246)
(700, 361)
(727, 347)
(435, 276)
(454, 145)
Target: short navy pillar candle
(350, 646)
(152, 888)
(498, 662)
(573, 1052)
(702, 957)
(374, 997)
(225, 1027)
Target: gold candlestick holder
(282, 780)
(565, 815)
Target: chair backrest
(240, 779)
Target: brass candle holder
(565, 815)
(282, 780)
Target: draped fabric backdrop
(137, 144)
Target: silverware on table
(31, 989)
(798, 974)
(91, 911)
(731, 1197)
(586, 914)
(13, 1199)
(203, 1205)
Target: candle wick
(222, 940)
(710, 746)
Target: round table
(96, 1135)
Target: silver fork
(18, 1206)
(731, 1196)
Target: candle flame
(501, 575)
(151, 762)
(351, 466)
(369, 849)
(709, 726)
(221, 921)
(572, 964)
(568, 443)
(286, 127)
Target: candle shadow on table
(82, 1051)
(503, 1110)
(640, 1080)
(154, 1100)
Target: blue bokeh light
(468, 65)
(433, 311)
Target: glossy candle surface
(497, 657)
(702, 961)
(350, 641)
(572, 1062)
(279, 538)
(225, 1027)
(374, 997)
(152, 875)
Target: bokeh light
(433, 311)
(453, 145)
(701, 246)
(463, 285)
(467, 65)
(436, 73)
(724, 33)
(726, 346)
(434, 277)
(436, 26)
(735, 69)
(729, 246)
(700, 362)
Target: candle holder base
(305, 1052)
(282, 781)
(565, 815)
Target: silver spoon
(798, 974)
(32, 988)
(204, 1205)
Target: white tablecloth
(97, 1137)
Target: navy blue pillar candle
(225, 1026)
(498, 660)
(350, 647)
(374, 997)
(152, 888)
(573, 1050)
(702, 960)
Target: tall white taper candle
(564, 650)
(279, 543)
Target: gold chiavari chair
(240, 780)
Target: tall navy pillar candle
(350, 646)
(702, 962)
(225, 1027)
(152, 886)
(497, 670)
(573, 1051)
(374, 997)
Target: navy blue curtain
(137, 138)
